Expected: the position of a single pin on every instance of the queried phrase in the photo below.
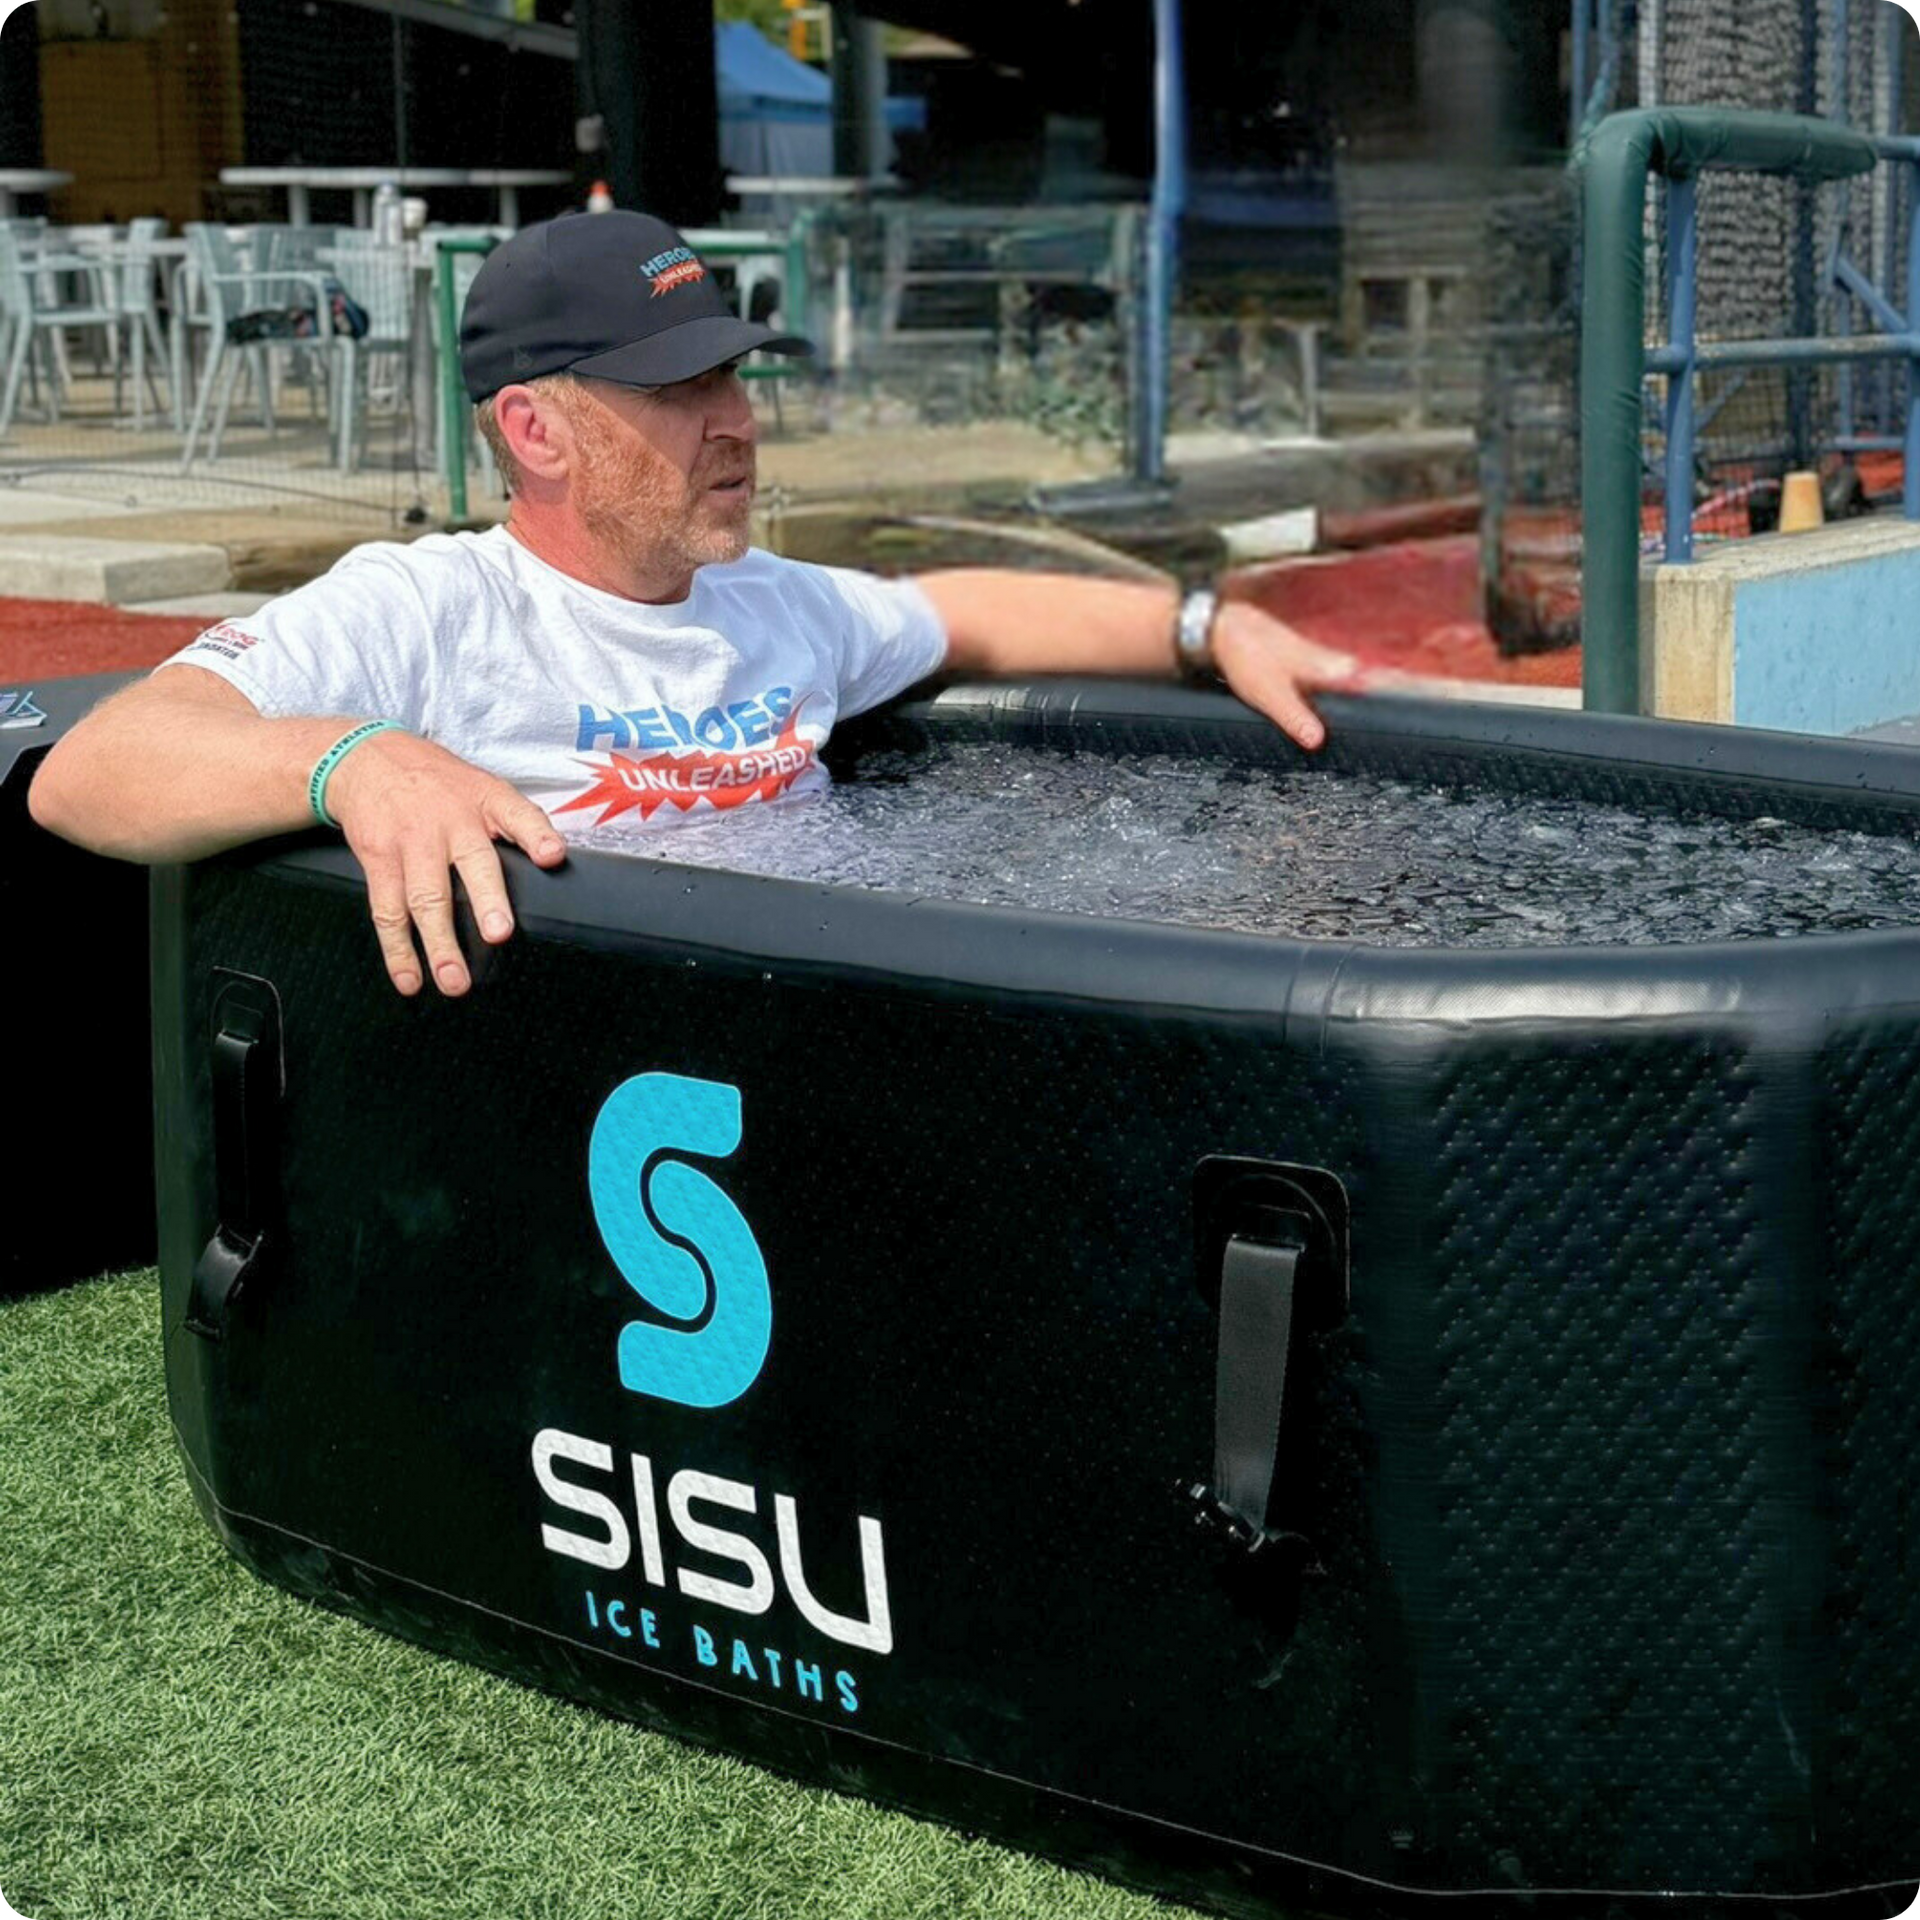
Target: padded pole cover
(1624, 149)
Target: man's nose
(730, 417)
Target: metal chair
(135, 293)
(31, 313)
(229, 287)
(379, 280)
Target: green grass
(180, 1741)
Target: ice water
(1299, 853)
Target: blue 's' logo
(681, 1244)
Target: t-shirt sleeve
(891, 638)
(356, 642)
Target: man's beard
(641, 506)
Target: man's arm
(1002, 622)
(180, 765)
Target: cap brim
(685, 352)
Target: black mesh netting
(1766, 270)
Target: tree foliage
(770, 16)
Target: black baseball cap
(616, 296)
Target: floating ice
(1300, 853)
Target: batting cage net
(1766, 269)
(221, 223)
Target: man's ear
(537, 430)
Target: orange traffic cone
(1800, 507)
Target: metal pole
(859, 73)
(453, 440)
(1682, 251)
(1910, 486)
(1842, 65)
(795, 295)
(1844, 114)
(1577, 103)
(1896, 95)
(453, 395)
(1896, 75)
(1163, 244)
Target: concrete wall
(1812, 632)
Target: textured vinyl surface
(1867, 1430)
(1606, 1470)
(1604, 1578)
(73, 950)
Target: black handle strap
(246, 1088)
(1250, 1376)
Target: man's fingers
(479, 869)
(415, 815)
(512, 816)
(1273, 686)
(392, 923)
(1291, 714)
(429, 894)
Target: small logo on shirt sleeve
(226, 640)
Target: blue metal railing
(1624, 152)
(1152, 371)
(1595, 51)
(1682, 357)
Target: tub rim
(733, 922)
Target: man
(617, 632)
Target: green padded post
(1676, 143)
(453, 394)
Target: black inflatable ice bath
(73, 997)
(1283, 1422)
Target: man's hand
(1273, 668)
(414, 814)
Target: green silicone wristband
(324, 770)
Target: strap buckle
(1221, 1524)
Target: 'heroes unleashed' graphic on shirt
(724, 756)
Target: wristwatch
(1193, 635)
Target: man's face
(665, 475)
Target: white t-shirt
(595, 707)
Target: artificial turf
(180, 1741)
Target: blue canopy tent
(776, 112)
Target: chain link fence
(1766, 259)
(194, 312)
(169, 291)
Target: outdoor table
(810, 186)
(28, 180)
(61, 259)
(362, 182)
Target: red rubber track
(1416, 606)
(57, 639)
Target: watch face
(1194, 632)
